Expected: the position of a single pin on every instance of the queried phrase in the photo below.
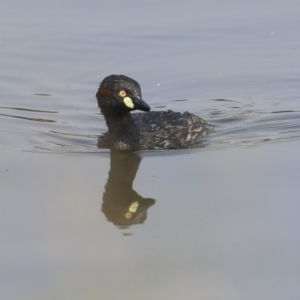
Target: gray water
(217, 222)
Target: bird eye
(128, 215)
(122, 93)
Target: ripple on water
(237, 124)
(243, 126)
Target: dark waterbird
(118, 95)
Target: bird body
(118, 95)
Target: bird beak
(140, 104)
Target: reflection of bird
(121, 204)
(118, 95)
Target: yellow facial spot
(133, 207)
(122, 93)
(128, 102)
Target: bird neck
(122, 130)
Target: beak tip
(140, 104)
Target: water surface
(217, 222)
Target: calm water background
(225, 223)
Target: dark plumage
(118, 95)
